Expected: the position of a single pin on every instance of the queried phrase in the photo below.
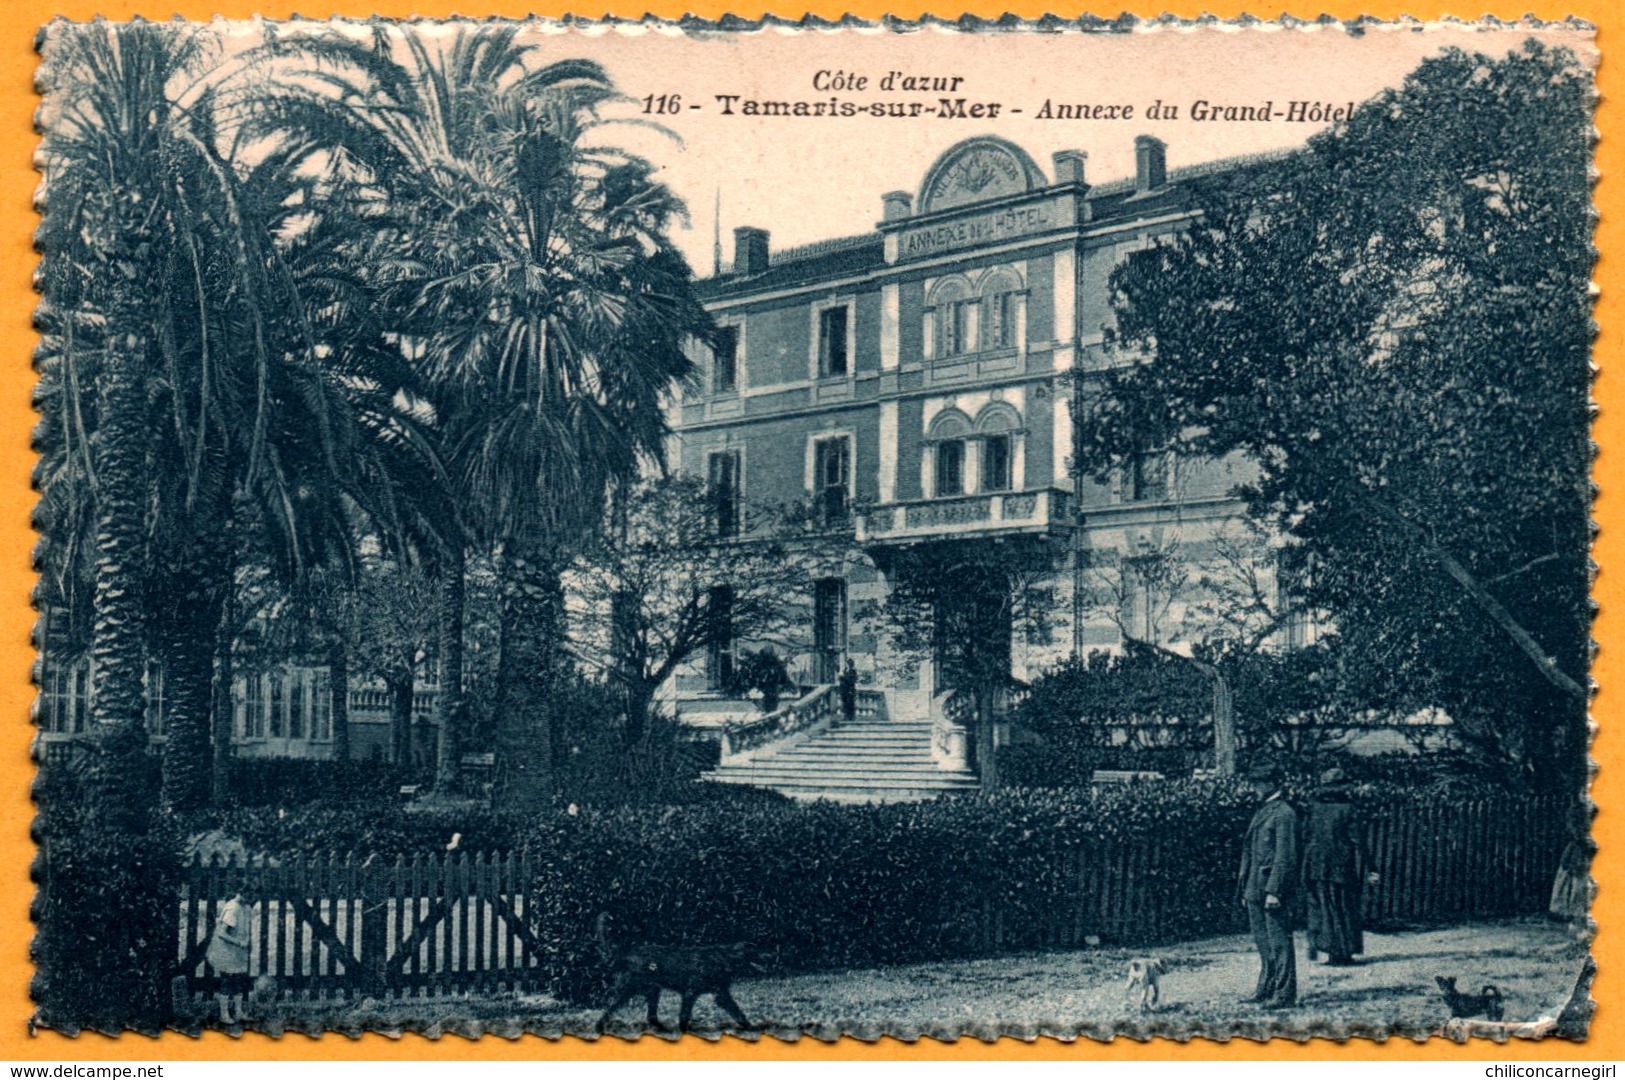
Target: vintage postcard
(1071, 528)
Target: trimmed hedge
(831, 886)
(105, 915)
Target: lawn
(1534, 962)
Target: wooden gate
(324, 926)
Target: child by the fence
(228, 952)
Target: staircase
(870, 760)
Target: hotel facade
(915, 384)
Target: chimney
(750, 250)
(1150, 164)
(1069, 166)
(897, 205)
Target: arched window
(1002, 299)
(949, 433)
(998, 425)
(954, 309)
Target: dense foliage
(1394, 325)
(656, 588)
(843, 886)
(1149, 709)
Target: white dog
(1145, 981)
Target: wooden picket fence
(1437, 863)
(452, 923)
(445, 923)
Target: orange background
(19, 20)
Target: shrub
(829, 885)
(275, 782)
(1142, 711)
(106, 910)
(763, 672)
(593, 763)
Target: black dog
(1488, 1003)
(690, 970)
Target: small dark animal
(690, 970)
(1145, 981)
(1487, 1003)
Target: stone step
(948, 782)
(775, 767)
(866, 754)
(866, 761)
(869, 742)
(858, 749)
(823, 765)
(880, 729)
(842, 734)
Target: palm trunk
(189, 613)
(224, 717)
(189, 625)
(117, 639)
(449, 706)
(532, 602)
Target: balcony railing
(993, 513)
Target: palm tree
(210, 345)
(537, 289)
(124, 174)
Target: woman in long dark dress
(1336, 869)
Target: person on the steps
(848, 686)
(1268, 889)
(1336, 870)
(228, 953)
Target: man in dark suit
(1269, 889)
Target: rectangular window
(254, 708)
(724, 481)
(829, 628)
(79, 713)
(719, 608)
(1148, 476)
(959, 327)
(55, 700)
(832, 358)
(951, 467)
(725, 361)
(154, 679)
(321, 707)
(832, 472)
(1001, 331)
(279, 705)
(996, 463)
(298, 703)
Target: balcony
(996, 514)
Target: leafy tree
(1210, 605)
(649, 588)
(395, 620)
(1393, 325)
(957, 601)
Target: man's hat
(1263, 772)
